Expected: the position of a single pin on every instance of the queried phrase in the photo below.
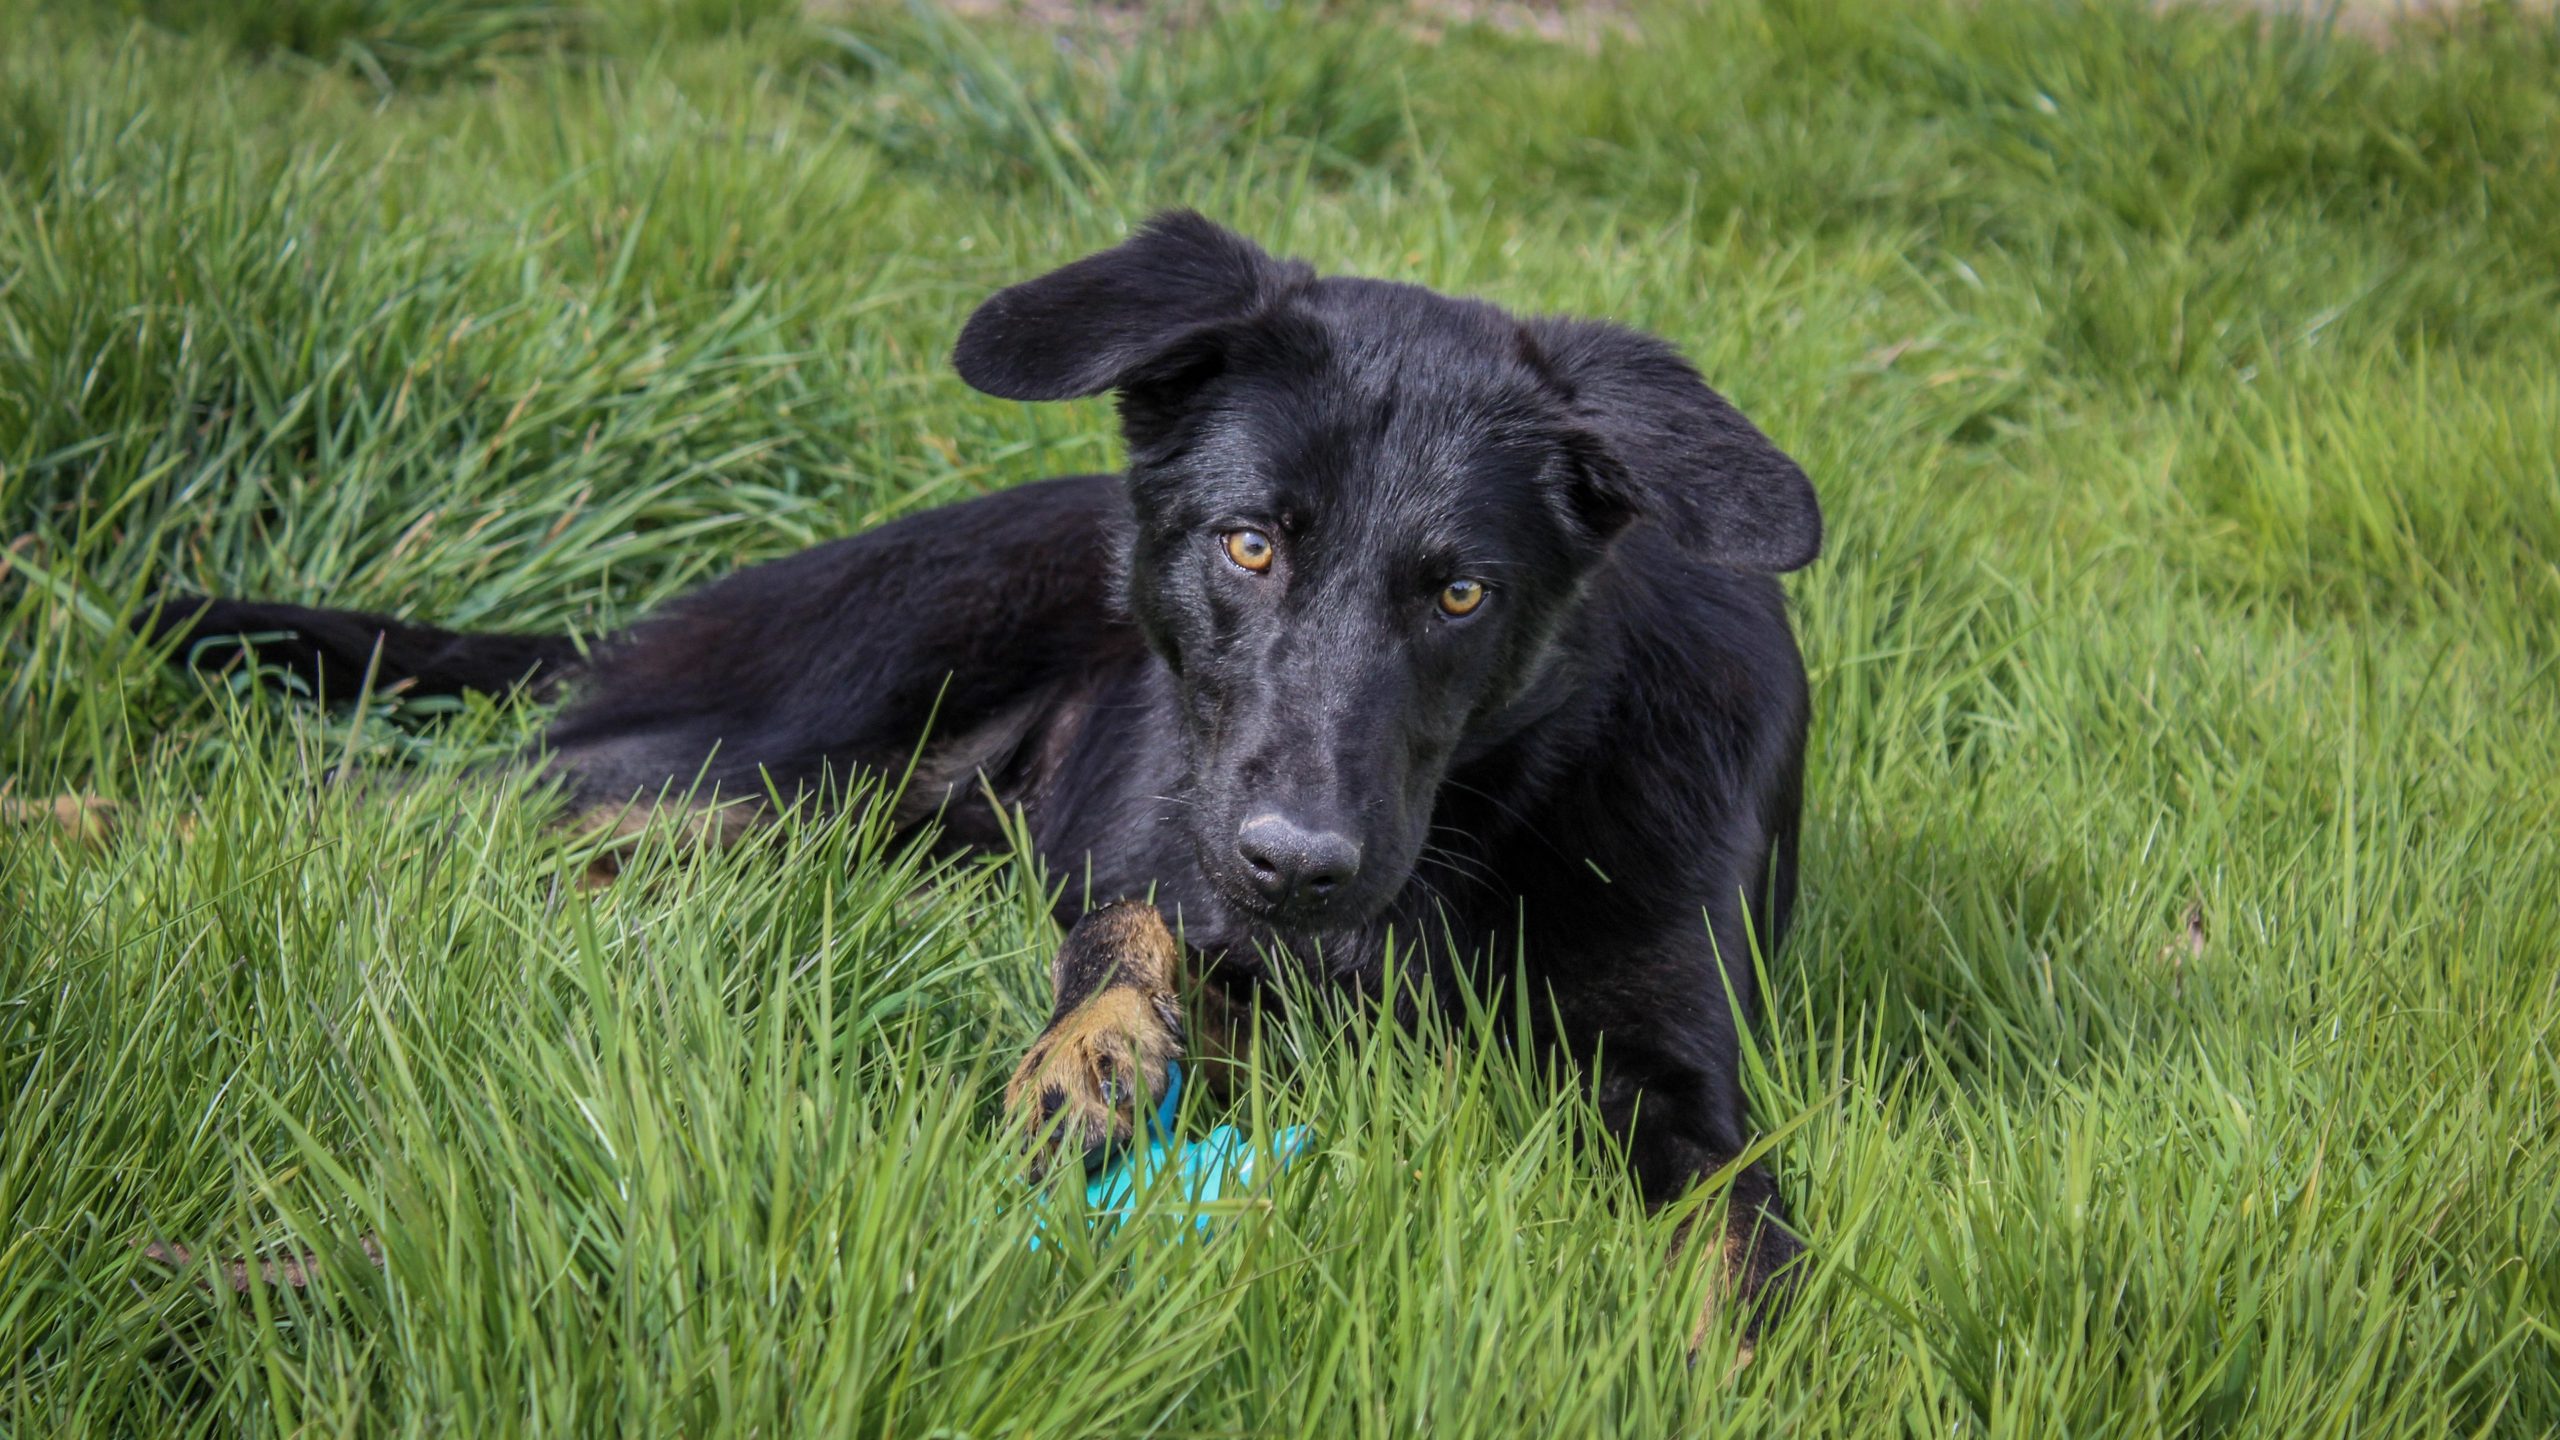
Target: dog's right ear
(1096, 324)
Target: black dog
(1410, 617)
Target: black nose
(1289, 862)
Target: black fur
(1594, 775)
(331, 653)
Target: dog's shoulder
(1702, 721)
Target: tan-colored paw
(1752, 1280)
(618, 830)
(82, 820)
(1086, 1083)
(1720, 1294)
(293, 1269)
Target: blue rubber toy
(1201, 1172)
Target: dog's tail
(335, 654)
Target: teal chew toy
(1199, 1172)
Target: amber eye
(1250, 549)
(1461, 597)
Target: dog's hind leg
(617, 830)
(1114, 1028)
(84, 821)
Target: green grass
(2185, 397)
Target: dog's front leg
(1669, 1088)
(1749, 1246)
(1114, 1026)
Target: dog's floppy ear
(1661, 444)
(1095, 324)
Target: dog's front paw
(1756, 1267)
(1090, 1076)
(1116, 1027)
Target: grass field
(2167, 1045)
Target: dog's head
(1365, 514)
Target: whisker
(1466, 867)
(1508, 812)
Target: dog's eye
(1461, 597)
(1250, 549)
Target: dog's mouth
(1293, 918)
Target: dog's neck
(1545, 734)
